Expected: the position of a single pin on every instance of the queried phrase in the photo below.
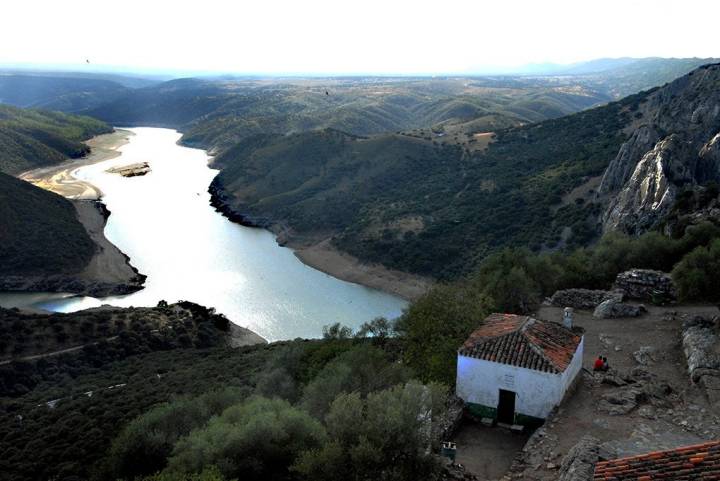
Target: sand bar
(61, 178)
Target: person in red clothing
(599, 364)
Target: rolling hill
(33, 138)
(216, 114)
(65, 93)
(420, 205)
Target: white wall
(575, 365)
(479, 382)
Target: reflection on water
(164, 222)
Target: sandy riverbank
(109, 271)
(326, 258)
(109, 266)
(60, 178)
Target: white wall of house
(575, 366)
(479, 382)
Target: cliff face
(675, 144)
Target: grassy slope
(33, 138)
(40, 231)
(420, 206)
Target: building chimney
(568, 317)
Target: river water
(164, 222)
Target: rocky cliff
(673, 144)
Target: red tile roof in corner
(523, 342)
(699, 462)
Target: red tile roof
(524, 342)
(696, 463)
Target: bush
(144, 445)
(435, 325)
(255, 440)
(697, 275)
(211, 473)
(363, 369)
(385, 436)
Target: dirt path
(487, 452)
(35, 357)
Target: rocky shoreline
(220, 200)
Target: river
(163, 221)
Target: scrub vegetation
(34, 138)
(40, 233)
(343, 406)
(420, 206)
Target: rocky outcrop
(637, 391)
(223, 203)
(653, 187)
(583, 298)
(131, 170)
(611, 309)
(623, 165)
(676, 144)
(701, 345)
(579, 463)
(646, 284)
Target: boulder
(625, 399)
(646, 284)
(613, 379)
(583, 298)
(620, 401)
(612, 308)
(711, 385)
(701, 344)
(579, 463)
(646, 355)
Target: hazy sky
(363, 36)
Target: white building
(516, 369)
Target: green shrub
(145, 444)
(435, 325)
(697, 275)
(384, 436)
(255, 440)
(211, 473)
(363, 369)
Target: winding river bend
(164, 223)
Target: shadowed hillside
(40, 231)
